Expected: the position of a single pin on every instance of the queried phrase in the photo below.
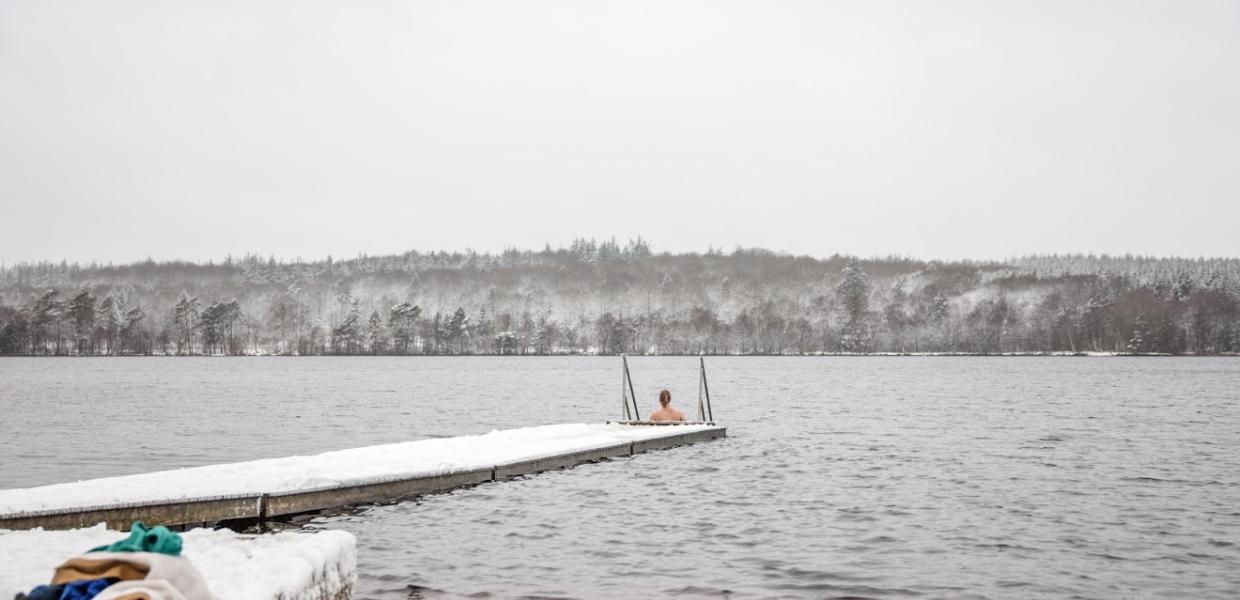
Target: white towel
(151, 589)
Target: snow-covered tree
(853, 294)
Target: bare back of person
(666, 414)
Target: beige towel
(94, 567)
(177, 573)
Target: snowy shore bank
(650, 352)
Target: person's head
(665, 398)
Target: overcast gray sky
(985, 129)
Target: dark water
(876, 477)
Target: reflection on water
(871, 477)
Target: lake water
(866, 476)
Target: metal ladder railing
(628, 398)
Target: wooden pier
(264, 505)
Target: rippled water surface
(878, 477)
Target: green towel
(143, 539)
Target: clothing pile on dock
(147, 565)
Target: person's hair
(665, 397)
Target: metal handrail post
(624, 393)
(710, 413)
(701, 406)
(637, 414)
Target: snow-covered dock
(284, 486)
(288, 566)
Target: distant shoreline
(608, 298)
(593, 355)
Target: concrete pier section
(270, 488)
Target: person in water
(666, 413)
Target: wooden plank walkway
(273, 504)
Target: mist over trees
(608, 298)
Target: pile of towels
(147, 565)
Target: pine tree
(46, 316)
(456, 327)
(1136, 343)
(133, 336)
(374, 333)
(82, 314)
(186, 316)
(853, 296)
(110, 313)
(403, 322)
(345, 335)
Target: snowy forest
(610, 298)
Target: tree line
(610, 298)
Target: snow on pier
(288, 565)
(282, 486)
